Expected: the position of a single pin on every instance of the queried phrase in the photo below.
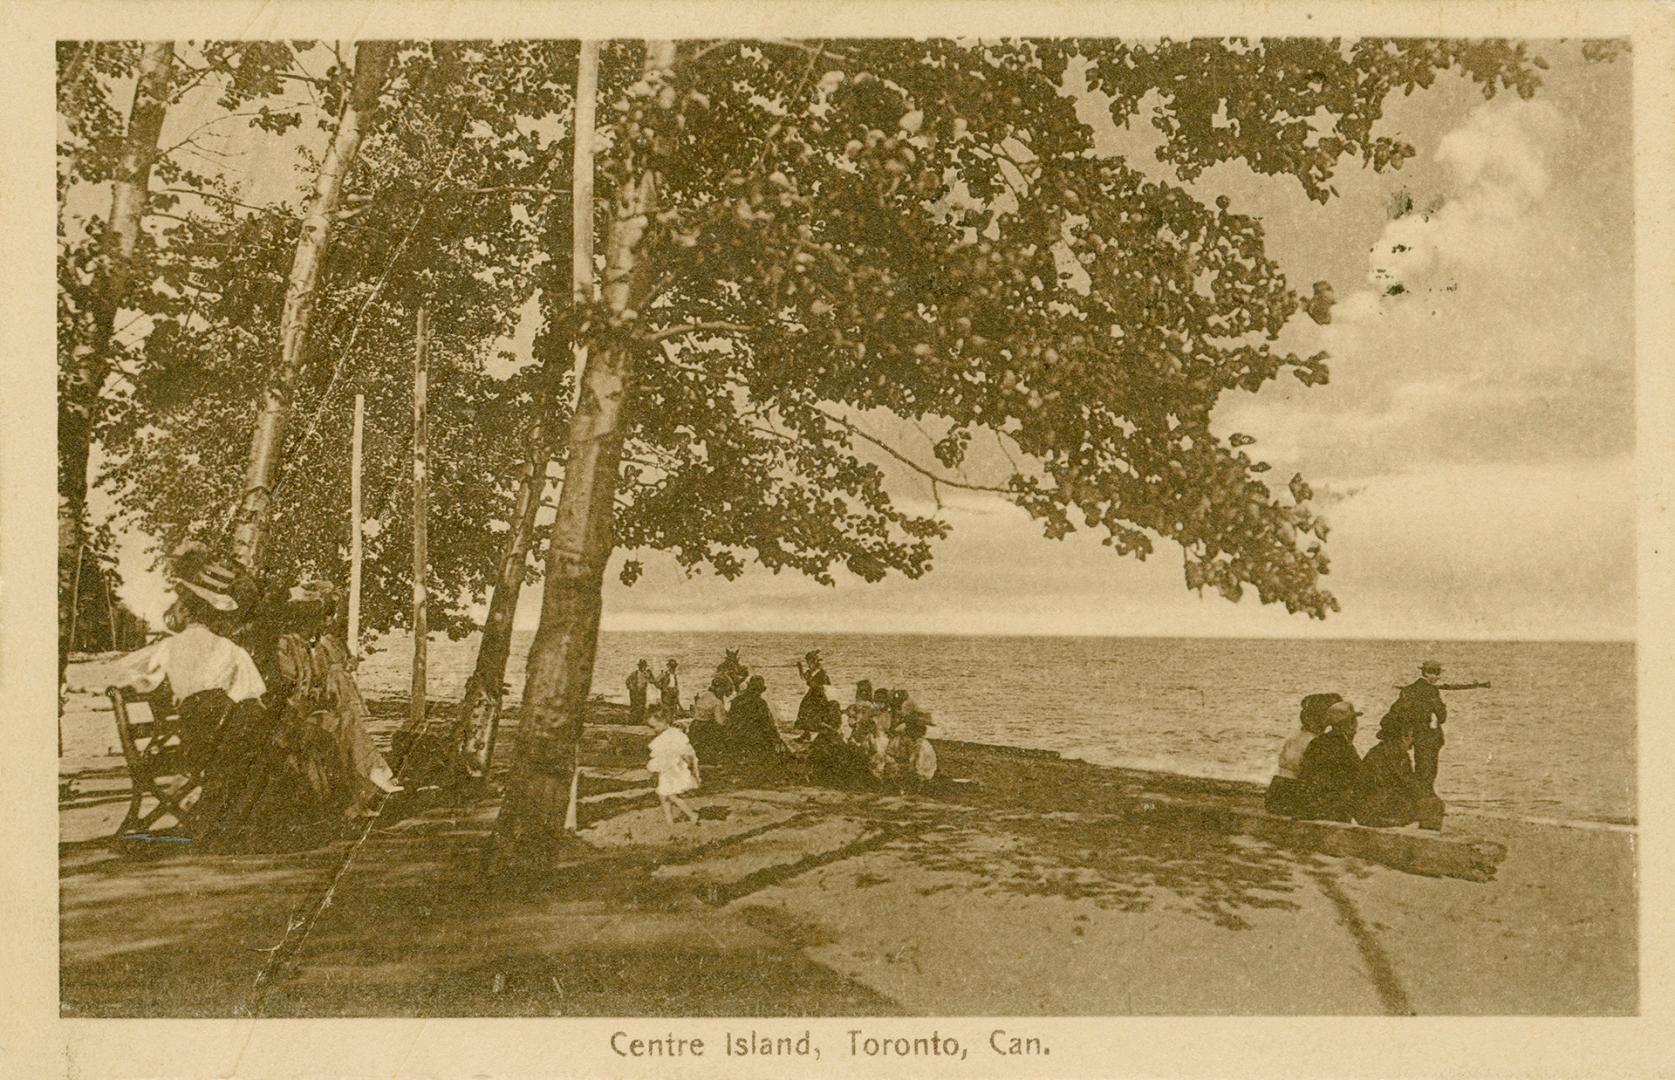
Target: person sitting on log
(708, 730)
(912, 759)
(861, 706)
(817, 712)
(1326, 776)
(752, 730)
(1284, 794)
(1388, 793)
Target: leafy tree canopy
(928, 228)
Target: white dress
(671, 759)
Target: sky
(1473, 451)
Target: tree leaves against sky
(848, 228)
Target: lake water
(1554, 737)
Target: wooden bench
(151, 734)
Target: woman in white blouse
(207, 674)
(227, 731)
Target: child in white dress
(675, 764)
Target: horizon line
(1600, 640)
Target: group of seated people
(270, 716)
(878, 741)
(1321, 777)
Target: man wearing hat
(1420, 708)
(639, 681)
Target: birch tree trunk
(89, 364)
(478, 719)
(530, 830)
(255, 514)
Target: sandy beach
(1054, 888)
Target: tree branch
(934, 477)
(697, 327)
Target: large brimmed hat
(210, 580)
(1430, 667)
(1340, 712)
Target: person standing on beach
(639, 681)
(811, 666)
(668, 686)
(1420, 709)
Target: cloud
(1497, 160)
(1494, 325)
(1445, 551)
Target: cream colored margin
(35, 1043)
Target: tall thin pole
(355, 527)
(110, 606)
(581, 258)
(75, 600)
(421, 364)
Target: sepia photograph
(722, 531)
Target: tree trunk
(255, 514)
(530, 830)
(478, 719)
(89, 364)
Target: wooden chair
(151, 742)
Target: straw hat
(210, 580)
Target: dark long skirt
(1285, 797)
(263, 786)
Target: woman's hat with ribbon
(211, 580)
